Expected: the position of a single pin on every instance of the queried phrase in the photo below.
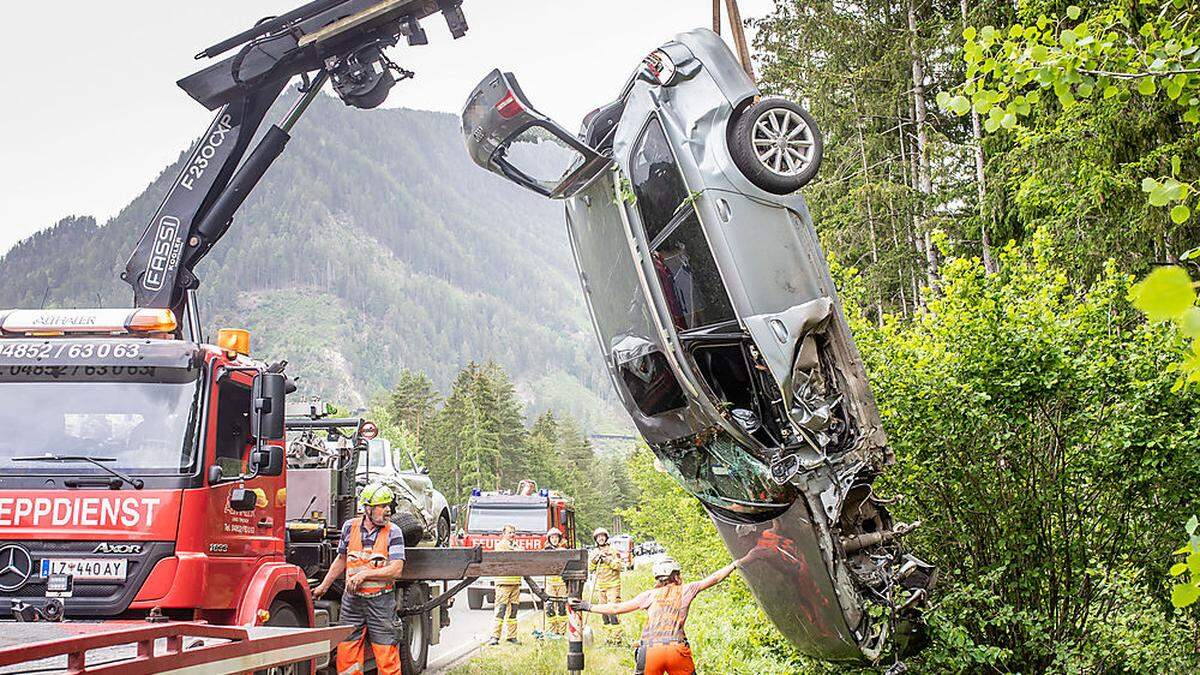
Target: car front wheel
(776, 145)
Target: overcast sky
(91, 112)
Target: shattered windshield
(721, 473)
(140, 416)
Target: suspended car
(722, 330)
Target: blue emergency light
(475, 492)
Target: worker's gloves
(579, 605)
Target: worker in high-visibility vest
(663, 648)
(606, 566)
(371, 553)
(508, 593)
(556, 588)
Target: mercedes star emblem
(15, 567)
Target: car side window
(657, 183)
(683, 260)
(233, 426)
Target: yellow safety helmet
(376, 494)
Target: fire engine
(533, 512)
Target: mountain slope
(373, 244)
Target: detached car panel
(722, 330)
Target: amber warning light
(86, 321)
(234, 341)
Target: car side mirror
(241, 499)
(267, 397)
(267, 460)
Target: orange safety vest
(358, 559)
(665, 617)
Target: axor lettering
(206, 151)
(78, 512)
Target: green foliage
(1113, 88)
(1039, 442)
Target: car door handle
(265, 522)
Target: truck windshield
(493, 519)
(141, 417)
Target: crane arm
(338, 40)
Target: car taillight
(661, 67)
(509, 107)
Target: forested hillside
(480, 436)
(373, 245)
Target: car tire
(754, 145)
(410, 526)
(443, 529)
(474, 599)
(284, 615)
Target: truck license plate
(109, 569)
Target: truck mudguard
(268, 582)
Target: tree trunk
(924, 180)
(862, 149)
(985, 244)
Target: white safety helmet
(600, 531)
(553, 531)
(665, 568)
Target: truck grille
(90, 598)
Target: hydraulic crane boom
(323, 40)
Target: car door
(506, 135)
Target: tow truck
(531, 510)
(143, 474)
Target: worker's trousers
(556, 610)
(508, 598)
(664, 659)
(374, 620)
(610, 595)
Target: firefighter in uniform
(371, 552)
(508, 593)
(606, 566)
(663, 648)
(556, 610)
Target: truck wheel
(776, 145)
(416, 629)
(283, 615)
(443, 529)
(474, 599)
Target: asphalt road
(468, 630)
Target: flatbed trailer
(133, 647)
(184, 646)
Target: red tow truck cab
(126, 472)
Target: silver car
(722, 330)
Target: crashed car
(412, 485)
(722, 331)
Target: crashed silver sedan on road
(722, 330)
